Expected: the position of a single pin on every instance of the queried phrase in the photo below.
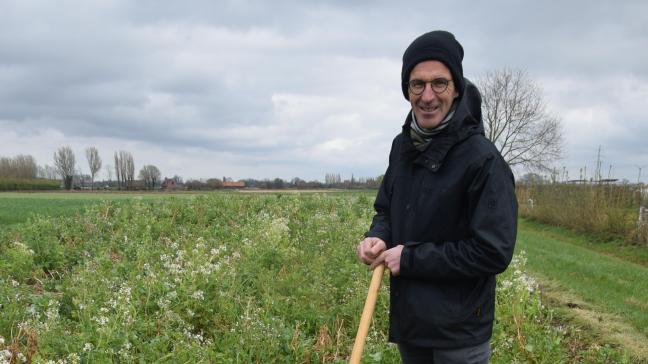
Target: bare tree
(64, 162)
(94, 162)
(20, 166)
(47, 172)
(517, 122)
(124, 169)
(130, 170)
(109, 172)
(118, 168)
(151, 176)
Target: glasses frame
(446, 81)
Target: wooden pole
(367, 312)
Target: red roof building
(234, 185)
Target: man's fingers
(376, 249)
(379, 260)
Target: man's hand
(370, 248)
(391, 258)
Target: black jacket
(453, 206)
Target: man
(446, 213)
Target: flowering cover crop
(222, 278)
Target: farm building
(169, 184)
(233, 185)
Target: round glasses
(439, 85)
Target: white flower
(198, 295)
(15, 283)
(2, 340)
(88, 347)
(5, 355)
(123, 352)
(125, 293)
(52, 310)
(74, 358)
(101, 320)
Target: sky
(265, 89)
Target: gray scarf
(422, 137)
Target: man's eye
(439, 82)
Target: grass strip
(617, 248)
(607, 284)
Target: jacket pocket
(445, 302)
(431, 302)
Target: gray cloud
(287, 88)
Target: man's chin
(428, 123)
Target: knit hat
(437, 45)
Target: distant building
(81, 181)
(169, 184)
(233, 185)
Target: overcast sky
(265, 89)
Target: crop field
(220, 278)
(17, 207)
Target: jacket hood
(466, 122)
(469, 112)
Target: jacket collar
(465, 123)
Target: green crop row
(11, 184)
(222, 278)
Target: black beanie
(437, 45)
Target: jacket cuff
(373, 234)
(406, 259)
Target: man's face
(430, 107)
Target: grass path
(620, 249)
(604, 292)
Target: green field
(17, 207)
(229, 278)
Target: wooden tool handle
(367, 312)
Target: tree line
(66, 169)
(20, 167)
(279, 183)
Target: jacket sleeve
(492, 213)
(381, 223)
